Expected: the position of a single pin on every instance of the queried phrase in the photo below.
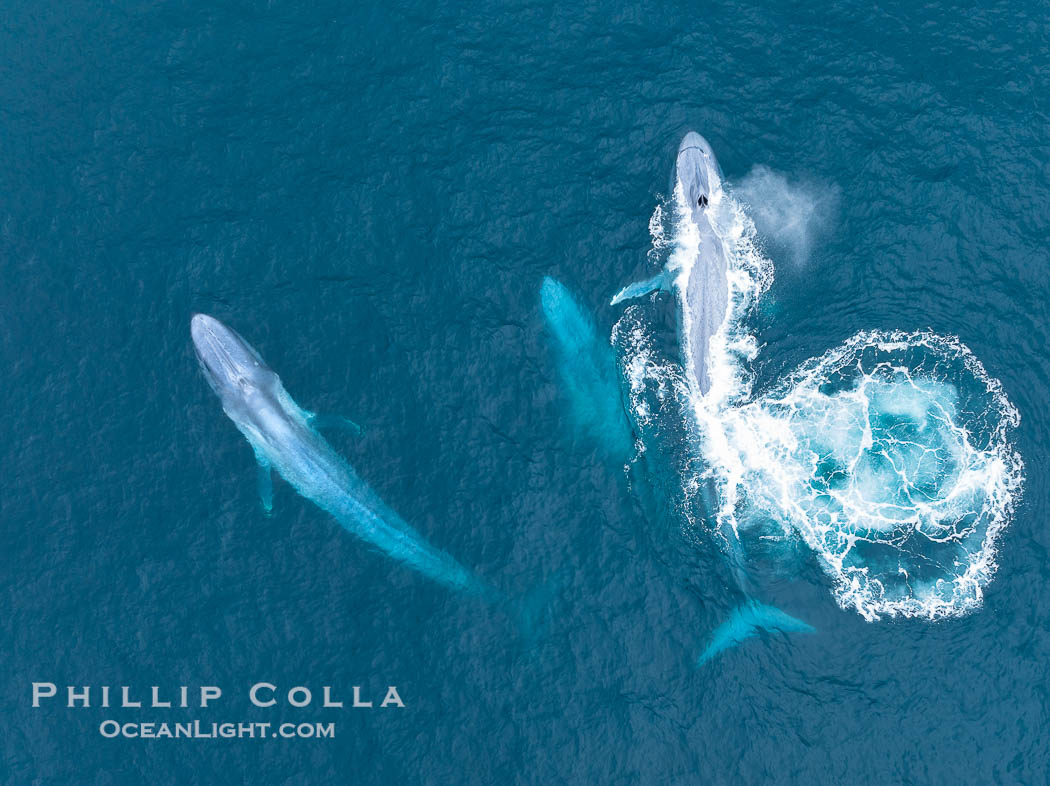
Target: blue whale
(703, 296)
(701, 291)
(588, 370)
(285, 438)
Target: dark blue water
(372, 195)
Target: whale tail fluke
(751, 619)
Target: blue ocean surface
(373, 195)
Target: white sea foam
(889, 456)
(657, 233)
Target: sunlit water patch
(889, 457)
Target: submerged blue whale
(588, 370)
(700, 286)
(285, 438)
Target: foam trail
(588, 370)
(889, 457)
(654, 384)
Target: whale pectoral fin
(749, 620)
(264, 475)
(325, 422)
(660, 282)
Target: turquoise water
(372, 196)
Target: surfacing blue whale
(285, 438)
(701, 289)
(588, 369)
(703, 298)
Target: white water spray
(789, 215)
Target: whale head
(697, 172)
(231, 365)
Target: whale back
(706, 300)
(706, 292)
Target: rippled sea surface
(372, 195)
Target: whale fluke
(747, 621)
